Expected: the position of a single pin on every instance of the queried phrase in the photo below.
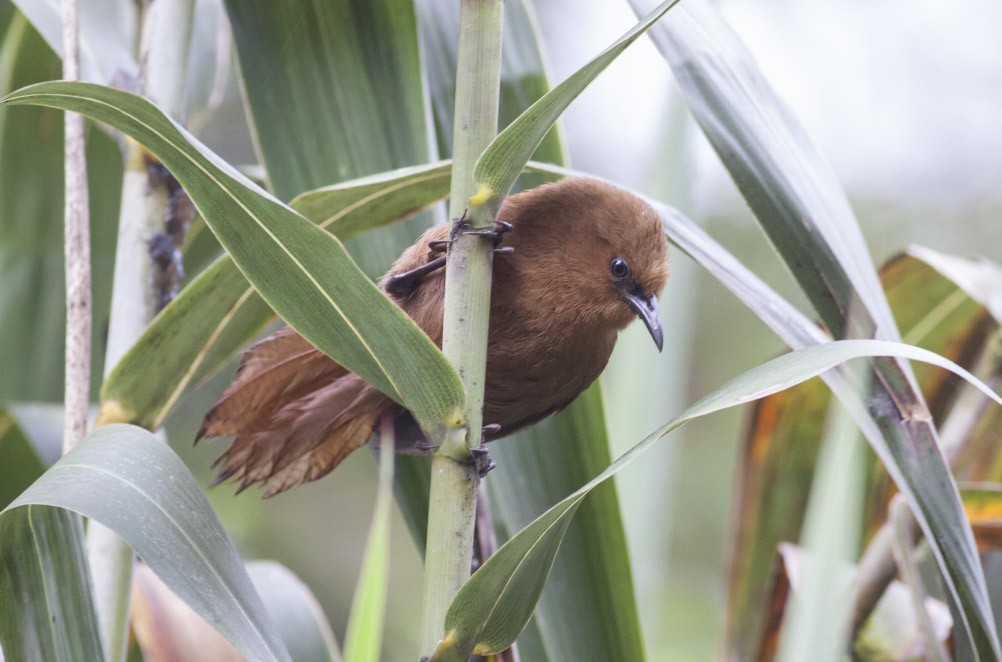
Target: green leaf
(588, 608)
(219, 312)
(504, 158)
(20, 463)
(523, 77)
(333, 88)
(295, 612)
(302, 272)
(804, 211)
(335, 92)
(360, 205)
(781, 445)
(32, 282)
(816, 624)
(363, 641)
(6, 14)
(48, 612)
(495, 603)
(126, 479)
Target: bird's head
(603, 248)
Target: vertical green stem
(165, 43)
(452, 506)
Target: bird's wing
(281, 368)
(294, 414)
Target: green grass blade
(48, 611)
(503, 160)
(588, 608)
(488, 614)
(32, 283)
(302, 272)
(126, 479)
(363, 641)
(219, 312)
(333, 88)
(816, 624)
(804, 211)
(360, 205)
(20, 463)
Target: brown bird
(582, 259)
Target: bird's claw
(496, 233)
(439, 245)
(424, 447)
(462, 226)
(482, 461)
(490, 428)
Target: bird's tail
(294, 413)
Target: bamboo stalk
(452, 507)
(164, 49)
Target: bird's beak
(647, 310)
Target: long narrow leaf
(126, 479)
(302, 272)
(487, 615)
(802, 208)
(505, 157)
(48, 613)
(32, 284)
(219, 311)
(364, 638)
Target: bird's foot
(404, 283)
(424, 447)
(461, 225)
(496, 233)
(482, 461)
(490, 429)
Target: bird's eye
(619, 268)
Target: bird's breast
(538, 365)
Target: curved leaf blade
(353, 207)
(48, 611)
(295, 611)
(524, 560)
(804, 211)
(302, 272)
(219, 311)
(20, 463)
(503, 160)
(129, 481)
